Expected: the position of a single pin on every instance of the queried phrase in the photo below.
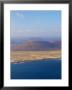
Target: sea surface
(38, 69)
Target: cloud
(20, 15)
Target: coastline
(22, 56)
(16, 62)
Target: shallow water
(42, 69)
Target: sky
(43, 24)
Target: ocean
(38, 69)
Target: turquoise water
(42, 69)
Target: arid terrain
(19, 56)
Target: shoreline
(17, 62)
(22, 56)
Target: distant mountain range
(35, 45)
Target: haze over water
(41, 24)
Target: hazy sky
(35, 24)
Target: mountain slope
(31, 45)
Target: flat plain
(20, 56)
